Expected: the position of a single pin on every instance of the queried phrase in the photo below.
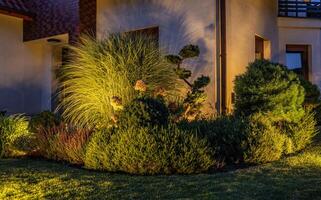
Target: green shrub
(225, 134)
(312, 93)
(62, 143)
(302, 132)
(97, 154)
(269, 88)
(99, 70)
(45, 119)
(264, 142)
(145, 150)
(143, 112)
(1, 148)
(16, 140)
(312, 98)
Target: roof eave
(15, 13)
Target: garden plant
(120, 114)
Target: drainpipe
(221, 56)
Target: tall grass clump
(100, 70)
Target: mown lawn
(296, 177)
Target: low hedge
(146, 150)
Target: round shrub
(264, 142)
(225, 133)
(269, 88)
(143, 112)
(102, 69)
(145, 150)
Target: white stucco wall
(245, 19)
(306, 32)
(181, 22)
(24, 70)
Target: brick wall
(54, 17)
(87, 12)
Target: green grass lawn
(296, 177)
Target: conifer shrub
(224, 133)
(269, 88)
(312, 98)
(302, 132)
(97, 154)
(149, 150)
(143, 112)
(275, 101)
(263, 142)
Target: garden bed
(295, 177)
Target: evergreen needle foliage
(100, 70)
(269, 88)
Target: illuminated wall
(181, 22)
(245, 19)
(24, 70)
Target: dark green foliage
(174, 59)
(145, 150)
(312, 98)
(3, 113)
(201, 82)
(190, 51)
(183, 73)
(225, 133)
(144, 111)
(269, 88)
(1, 148)
(45, 119)
(312, 93)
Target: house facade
(230, 34)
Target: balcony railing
(300, 8)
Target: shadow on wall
(20, 98)
(181, 22)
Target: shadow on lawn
(52, 180)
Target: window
(262, 48)
(297, 59)
(259, 48)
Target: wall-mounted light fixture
(53, 41)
